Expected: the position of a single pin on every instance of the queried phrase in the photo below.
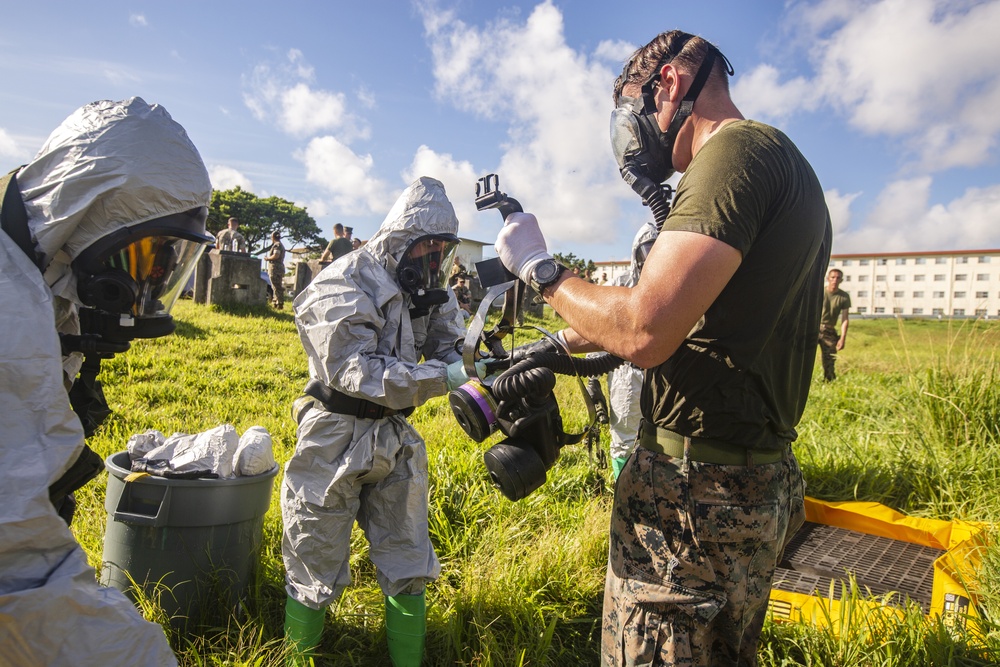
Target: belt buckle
(371, 410)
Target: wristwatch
(545, 273)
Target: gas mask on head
(134, 275)
(424, 269)
(644, 153)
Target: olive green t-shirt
(833, 305)
(742, 375)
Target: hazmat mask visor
(141, 270)
(636, 142)
(426, 263)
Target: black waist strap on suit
(704, 450)
(334, 401)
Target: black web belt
(334, 401)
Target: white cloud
(138, 20)
(760, 94)
(903, 220)
(459, 177)
(840, 210)
(347, 176)
(9, 148)
(921, 70)
(227, 178)
(557, 161)
(282, 94)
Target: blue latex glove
(520, 245)
(457, 375)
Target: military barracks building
(959, 283)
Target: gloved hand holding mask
(457, 375)
(520, 245)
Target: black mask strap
(687, 104)
(14, 218)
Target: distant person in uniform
(275, 259)
(356, 243)
(464, 295)
(230, 237)
(338, 247)
(836, 305)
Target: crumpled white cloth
(219, 451)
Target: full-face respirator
(516, 397)
(643, 152)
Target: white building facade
(960, 283)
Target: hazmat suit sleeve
(355, 328)
(446, 326)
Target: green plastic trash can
(192, 545)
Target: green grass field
(912, 422)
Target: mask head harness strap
(14, 217)
(687, 104)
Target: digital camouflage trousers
(693, 550)
(828, 339)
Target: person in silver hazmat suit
(107, 221)
(380, 327)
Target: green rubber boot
(303, 630)
(405, 628)
(617, 464)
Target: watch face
(546, 272)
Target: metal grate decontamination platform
(820, 555)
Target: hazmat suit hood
(108, 166)
(646, 235)
(423, 208)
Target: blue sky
(337, 106)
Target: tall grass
(912, 422)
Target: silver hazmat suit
(625, 382)
(355, 325)
(107, 165)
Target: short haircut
(338, 229)
(234, 221)
(679, 48)
(833, 271)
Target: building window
(880, 294)
(880, 279)
(958, 311)
(920, 260)
(881, 262)
(961, 260)
(862, 293)
(939, 277)
(898, 295)
(862, 279)
(847, 262)
(847, 279)
(918, 311)
(937, 311)
(959, 295)
(982, 295)
(982, 276)
(900, 261)
(862, 310)
(919, 278)
(938, 295)
(897, 311)
(980, 312)
(961, 276)
(879, 310)
(983, 259)
(918, 295)
(940, 260)
(863, 262)
(899, 277)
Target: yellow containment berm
(891, 557)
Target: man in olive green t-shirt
(724, 320)
(836, 305)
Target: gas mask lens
(160, 266)
(426, 263)
(625, 141)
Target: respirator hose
(659, 206)
(536, 374)
(524, 378)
